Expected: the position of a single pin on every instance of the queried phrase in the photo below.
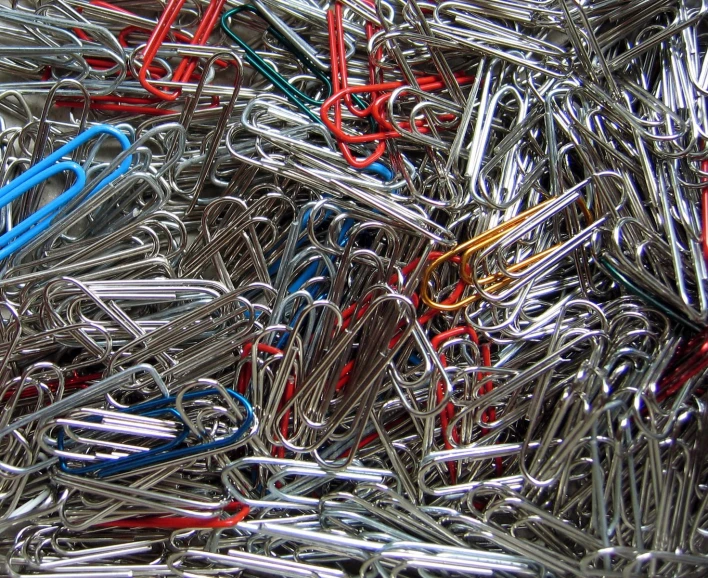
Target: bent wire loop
(295, 95)
(174, 449)
(469, 249)
(21, 234)
(184, 71)
(423, 294)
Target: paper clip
(704, 212)
(494, 282)
(615, 272)
(469, 250)
(39, 221)
(294, 95)
(174, 448)
(343, 91)
(186, 68)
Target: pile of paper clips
(354, 288)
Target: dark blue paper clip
(174, 449)
(39, 221)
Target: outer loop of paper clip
(39, 221)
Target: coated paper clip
(40, 220)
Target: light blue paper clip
(39, 221)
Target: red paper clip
(341, 91)
(338, 65)
(76, 382)
(689, 360)
(128, 104)
(182, 522)
(185, 69)
(245, 377)
(448, 413)
(377, 108)
(704, 212)
(105, 63)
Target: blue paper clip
(39, 221)
(380, 170)
(174, 449)
(312, 270)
